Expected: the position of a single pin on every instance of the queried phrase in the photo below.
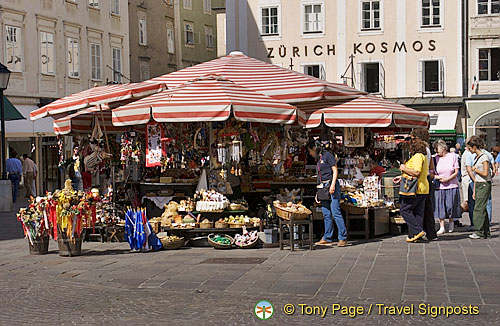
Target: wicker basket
(236, 225)
(171, 245)
(286, 215)
(218, 245)
(249, 246)
(208, 225)
(219, 225)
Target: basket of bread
(288, 210)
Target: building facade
(407, 51)
(152, 38)
(55, 48)
(483, 103)
(196, 24)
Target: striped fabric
(96, 96)
(82, 121)
(209, 98)
(279, 83)
(365, 111)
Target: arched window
(488, 128)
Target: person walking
(482, 189)
(327, 178)
(429, 220)
(413, 207)
(15, 169)
(29, 174)
(467, 185)
(446, 191)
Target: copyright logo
(289, 309)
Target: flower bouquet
(36, 226)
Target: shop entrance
(488, 128)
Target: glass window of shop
(488, 128)
(432, 72)
(489, 64)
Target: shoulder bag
(408, 186)
(322, 192)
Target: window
(489, 64)
(14, 56)
(432, 76)
(189, 33)
(207, 6)
(313, 18)
(115, 7)
(47, 58)
(94, 4)
(188, 4)
(170, 39)
(270, 21)
(209, 37)
(73, 58)
(370, 15)
(315, 70)
(95, 61)
(143, 70)
(488, 7)
(431, 13)
(117, 65)
(371, 77)
(143, 39)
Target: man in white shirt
(29, 173)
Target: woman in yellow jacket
(413, 207)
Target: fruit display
(168, 238)
(209, 201)
(220, 239)
(240, 219)
(246, 238)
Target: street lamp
(4, 82)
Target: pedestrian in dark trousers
(429, 224)
(482, 189)
(413, 205)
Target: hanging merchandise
(154, 148)
(354, 137)
(130, 148)
(60, 146)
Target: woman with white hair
(447, 193)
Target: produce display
(220, 239)
(168, 238)
(210, 201)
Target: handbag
(322, 192)
(408, 186)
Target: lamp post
(4, 82)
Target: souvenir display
(207, 201)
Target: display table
(291, 226)
(375, 220)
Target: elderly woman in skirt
(447, 193)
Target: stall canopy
(208, 98)
(96, 96)
(84, 120)
(364, 111)
(279, 83)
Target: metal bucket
(69, 247)
(40, 245)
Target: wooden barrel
(69, 247)
(40, 246)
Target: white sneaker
(451, 227)
(441, 231)
(474, 236)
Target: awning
(208, 98)
(365, 111)
(443, 122)
(26, 127)
(11, 113)
(83, 121)
(96, 96)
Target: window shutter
(420, 76)
(322, 72)
(381, 79)
(441, 76)
(359, 77)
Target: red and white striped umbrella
(96, 96)
(364, 111)
(82, 121)
(279, 83)
(209, 98)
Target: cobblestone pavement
(110, 285)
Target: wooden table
(300, 241)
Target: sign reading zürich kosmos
(358, 48)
